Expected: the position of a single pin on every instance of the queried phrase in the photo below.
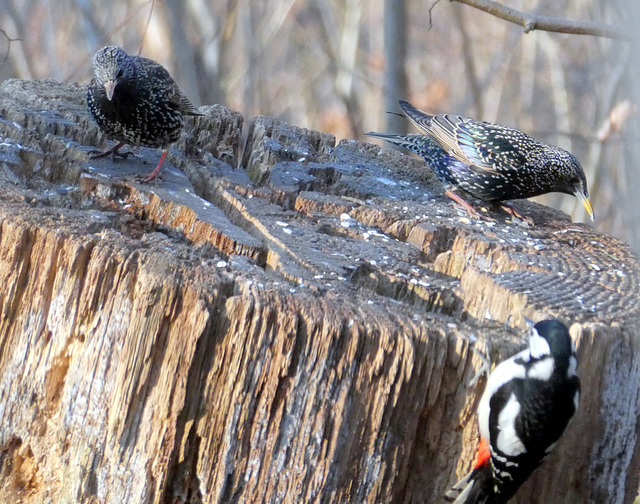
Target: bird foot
(154, 174)
(465, 205)
(516, 215)
(113, 153)
(145, 179)
(485, 368)
(474, 214)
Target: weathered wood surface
(212, 339)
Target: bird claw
(474, 214)
(154, 174)
(485, 368)
(471, 212)
(145, 179)
(517, 215)
(113, 153)
(465, 205)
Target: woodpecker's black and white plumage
(526, 406)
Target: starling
(135, 101)
(490, 162)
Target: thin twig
(9, 40)
(470, 64)
(146, 27)
(430, 18)
(104, 40)
(532, 22)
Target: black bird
(135, 101)
(488, 161)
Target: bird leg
(155, 172)
(113, 152)
(485, 368)
(486, 364)
(507, 207)
(472, 212)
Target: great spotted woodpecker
(526, 406)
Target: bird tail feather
(421, 145)
(420, 119)
(405, 141)
(459, 492)
(477, 486)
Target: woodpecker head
(550, 337)
(112, 66)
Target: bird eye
(120, 73)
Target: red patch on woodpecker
(484, 453)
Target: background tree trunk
(395, 58)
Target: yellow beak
(587, 204)
(109, 87)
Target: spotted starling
(135, 101)
(488, 161)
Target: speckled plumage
(429, 150)
(134, 100)
(489, 161)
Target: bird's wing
(458, 137)
(172, 91)
(454, 133)
(491, 145)
(485, 147)
(184, 104)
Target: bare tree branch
(9, 41)
(532, 22)
(433, 5)
(106, 39)
(146, 27)
(470, 65)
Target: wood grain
(302, 334)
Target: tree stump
(300, 336)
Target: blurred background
(325, 65)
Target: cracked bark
(300, 338)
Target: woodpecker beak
(585, 201)
(109, 87)
(530, 323)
